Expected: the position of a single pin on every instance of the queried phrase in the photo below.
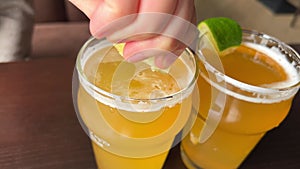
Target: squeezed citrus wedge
(223, 32)
(120, 48)
(149, 61)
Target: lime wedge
(120, 48)
(149, 61)
(223, 32)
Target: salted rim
(106, 97)
(280, 93)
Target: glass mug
(254, 97)
(133, 114)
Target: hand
(149, 27)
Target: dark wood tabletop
(39, 128)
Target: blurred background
(58, 19)
(278, 18)
(60, 29)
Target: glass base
(186, 160)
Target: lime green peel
(223, 32)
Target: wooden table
(39, 128)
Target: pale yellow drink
(137, 129)
(247, 115)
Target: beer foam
(267, 93)
(276, 55)
(126, 103)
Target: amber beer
(131, 111)
(262, 77)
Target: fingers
(149, 27)
(163, 6)
(143, 22)
(142, 26)
(177, 35)
(164, 49)
(107, 11)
